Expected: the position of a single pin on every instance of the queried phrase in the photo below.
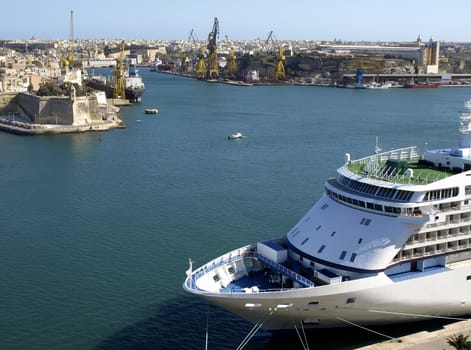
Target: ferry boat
(389, 241)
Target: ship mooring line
(304, 342)
(419, 315)
(366, 329)
(254, 330)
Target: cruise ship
(389, 241)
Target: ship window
(305, 240)
(318, 227)
(324, 206)
(350, 301)
(342, 255)
(332, 234)
(313, 304)
(468, 277)
(321, 249)
(352, 258)
(295, 232)
(231, 270)
(365, 221)
(216, 278)
(360, 240)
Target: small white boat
(151, 111)
(235, 136)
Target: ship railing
(227, 258)
(374, 167)
(406, 153)
(284, 270)
(245, 252)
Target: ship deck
(375, 167)
(255, 279)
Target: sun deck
(377, 167)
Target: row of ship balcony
(438, 248)
(443, 236)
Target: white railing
(245, 252)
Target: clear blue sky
(374, 20)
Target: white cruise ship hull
(370, 301)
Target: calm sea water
(96, 229)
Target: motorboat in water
(388, 242)
(235, 136)
(151, 111)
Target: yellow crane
(64, 63)
(213, 72)
(232, 64)
(280, 68)
(201, 69)
(118, 74)
(279, 73)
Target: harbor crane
(118, 74)
(193, 40)
(213, 72)
(280, 67)
(232, 64)
(201, 69)
(279, 73)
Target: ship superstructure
(389, 241)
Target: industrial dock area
(64, 69)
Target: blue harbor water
(96, 229)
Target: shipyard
(36, 67)
(240, 176)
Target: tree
(459, 342)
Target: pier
(436, 340)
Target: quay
(26, 128)
(436, 340)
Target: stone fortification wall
(86, 110)
(56, 110)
